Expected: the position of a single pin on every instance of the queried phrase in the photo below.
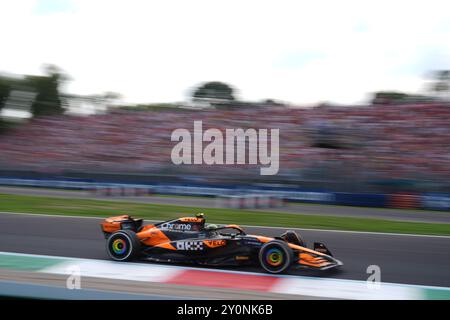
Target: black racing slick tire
(123, 245)
(275, 256)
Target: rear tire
(123, 245)
(275, 256)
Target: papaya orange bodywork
(262, 238)
(215, 243)
(234, 226)
(112, 224)
(307, 259)
(158, 236)
(152, 236)
(293, 246)
(190, 219)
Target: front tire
(275, 256)
(123, 245)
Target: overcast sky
(297, 51)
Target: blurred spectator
(359, 145)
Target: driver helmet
(210, 226)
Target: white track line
(252, 226)
(357, 232)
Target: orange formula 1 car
(190, 240)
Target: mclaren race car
(191, 240)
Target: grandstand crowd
(349, 144)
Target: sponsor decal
(215, 243)
(176, 226)
(251, 242)
(239, 258)
(190, 245)
(188, 219)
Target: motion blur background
(91, 91)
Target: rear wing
(124, 222)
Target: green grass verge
(82, 207)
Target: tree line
(49, 100)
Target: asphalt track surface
(297, 208)
(410, 259)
